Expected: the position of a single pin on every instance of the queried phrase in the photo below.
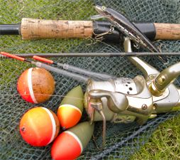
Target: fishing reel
(125, 100)
(120, 100)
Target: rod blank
(30, 55)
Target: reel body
(124, 100)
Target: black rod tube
(30, 55)
(9, 29)
(115, 36)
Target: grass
(163, 144)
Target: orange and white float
(39, 126)
(70, 110)
(71, 143)
(36, 85)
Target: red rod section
(12, 56)
(43, 59)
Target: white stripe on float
(72, 106)
(77, 139)
(53, 124)
(30, 86)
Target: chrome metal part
(166, 103)
(145, 68)
(164, 79)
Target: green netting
(122, 139)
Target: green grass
(163, 144)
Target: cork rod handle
(39, 29)
(167, 31)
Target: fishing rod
(36, 29)
(30, 29)
(125, 54)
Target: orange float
(39, 126)
(36, 85)
(71, 143)
(70, 110)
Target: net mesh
(122, 139)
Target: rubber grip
(43, 59)
(12, 56)
(167, 31)
(39, 29)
